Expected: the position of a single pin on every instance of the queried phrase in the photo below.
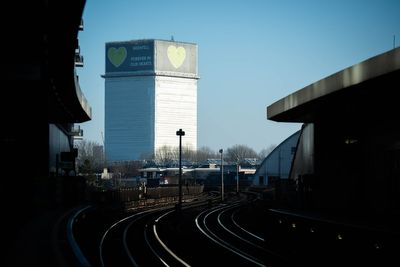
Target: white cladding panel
(129, 117)
(175, 108)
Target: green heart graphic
(117, 56)
(176, 55)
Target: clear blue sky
(251, 54)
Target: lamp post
(180, 133)
(222, 175)
(237, 177)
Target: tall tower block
(150, 93)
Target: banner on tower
(152, 57)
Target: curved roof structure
(286, 156)
(370, 85)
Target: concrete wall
(58, 142)
(303, 162)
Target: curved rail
(212, 236)
(243, 229)
(163, 244)
(71, 239)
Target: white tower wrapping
(150, 93)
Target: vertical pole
(222, 175)
(237, 178)
(180, 133)
(180, 172)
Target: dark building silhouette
(348, 156)
(42, 100)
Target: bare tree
(188, 154)
(205, 153)
(87, 155)
(238, 153)
(265, 152)
(166, 155)
(126, 169)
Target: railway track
(238, 232)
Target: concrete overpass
(364, 87)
